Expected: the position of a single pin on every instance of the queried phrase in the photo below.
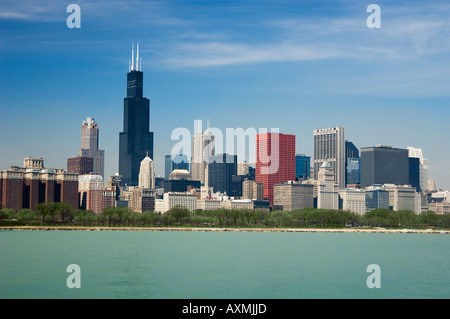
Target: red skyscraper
(275, 160)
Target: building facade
(90, 146)
(291, 196)
(186, 200)
(221, 169)
(275, 161)
(329, 146)
(302, 167)
(414, 173)
(29, 185)
(80, 165)
(401, 197)
(202, 150)
(352, 171)
(91, 192)
(208, 204)
(353, 200)
(376, 199)
(141, 199)
(423, 169)
(136, 140)
(178, 161)
(147, 174)
(252, 190)
(327, 188)
(384, 165)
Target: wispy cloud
(222, 53)
(32, 10)
(405, 35)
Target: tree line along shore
(63, 216)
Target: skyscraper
(423, 169)
(275, 160)
(80, 165)
(221, 169)
(329, 145)
(302, 167)
(328, 189)
(384, 164)
(136, 139)
(202, 149)
(352, 162)
(351, 151)
(147, 173)
(414, 173)
(352, 174)
(90, 146)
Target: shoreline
(225, 229)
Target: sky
(291, 65)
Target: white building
(402, 197)
(159, 206)
(327, 191)
(90, 188)
(431, 185)
(237, 204)
(445, 195)
(208, 204)
(147, 173)
(172, 199)
(353, 200)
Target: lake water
(213, 265)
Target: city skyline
(266, 64)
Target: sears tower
(136, 139)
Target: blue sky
(292, 65)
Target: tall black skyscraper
(136, 139)
(221, 169)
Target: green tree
(26, 214)
(428, 218)
(47, 211)
(166, 219)
(114, 215)
(65, 211)
(7, 213)
(150, 218)
(85, 217)
(179, 214)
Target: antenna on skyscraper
(137, 58)
(132, 56)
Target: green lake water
(217, 265)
